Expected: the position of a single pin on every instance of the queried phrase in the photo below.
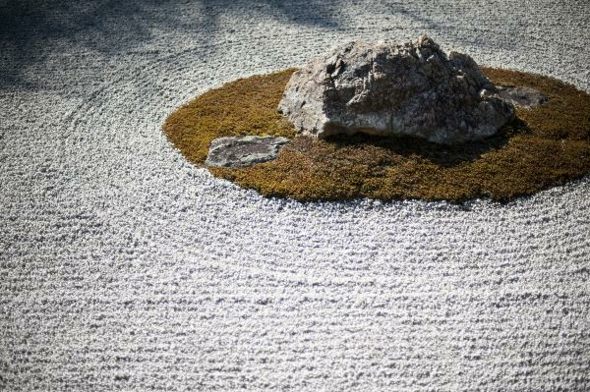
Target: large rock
(243, 151)
(410, 89)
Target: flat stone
(243, 151)
(526, 97)
(411, 89)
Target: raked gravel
(125, 268)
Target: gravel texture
(124, 268)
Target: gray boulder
(411, 89)
(243, 151)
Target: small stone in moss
(243, 151)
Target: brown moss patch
(545, 146)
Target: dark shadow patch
(31, 30)
(442, 155)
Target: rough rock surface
(412, 89)
(243, 151)
(521, 96)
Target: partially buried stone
(413, 89)
(243, 151)
(521, 96)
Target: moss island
(544, 146)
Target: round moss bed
(545, 146)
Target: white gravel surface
(124, 268)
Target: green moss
(242, 107)
(545, 146)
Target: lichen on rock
(411, 89)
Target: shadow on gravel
(31, 30)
